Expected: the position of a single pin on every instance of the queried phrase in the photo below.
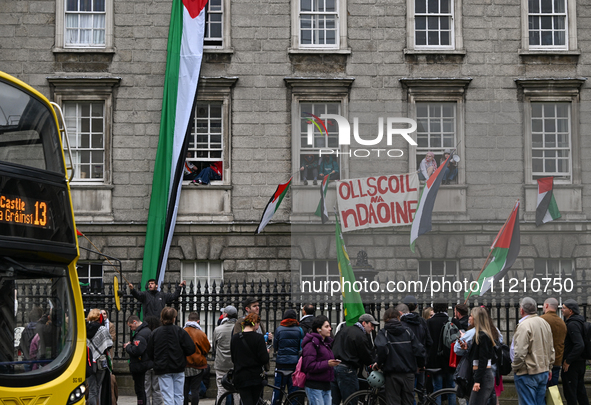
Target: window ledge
(318, 51)
(218, 50)
(84, 50)
(91, 186)
(549, 52)
(188, 185)
(408, 51)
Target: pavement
(132, 400)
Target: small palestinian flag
(78, 233)
(505, 250)
(422, 220)
(547, 210)
(273, 205)
(321, 210)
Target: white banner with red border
(377, 201)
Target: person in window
(428, 166)
(329, 165)
(213, 172)
(309, 168)
(451, 171)
(190, 171)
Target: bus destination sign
(24, 211)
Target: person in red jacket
(197, 362)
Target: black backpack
(503, 355)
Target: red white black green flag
(273, 205)
(546, 210)
(505, 250)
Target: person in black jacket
(307, 319)
(400, 356)
(169, 346)
(139, 361)
(249, 355)
(573, 365)
(418, 325)
(461, 317)
(444, 378)
(353, 347)
(153, 301)
(482, 357)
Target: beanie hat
(572, 305)
(290, 314)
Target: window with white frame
(90, 276)
(434, 23)
(319, 23)
(206, 140)
(317, 272)
(553, 267)
(436, 269)
(85, 23)
(311, 98)
(547, 24)
(204, 273)
(214, 24)
(551, 140)
(85, 121)
(324, 135)
(436, 129)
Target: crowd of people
(412, 353)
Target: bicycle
(377, 396)
(295, 398)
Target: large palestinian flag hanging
(422, 221)
(183, 63)
(505, 250)
(546, 210)
(273, 205)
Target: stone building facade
(504, 80)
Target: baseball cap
(368, 318)
(230, 310)
(410, 299)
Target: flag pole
(106, 258)
(489, 253)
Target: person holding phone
(318, 362)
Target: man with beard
(153, 301)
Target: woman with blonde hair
(99, 342)
(428, 313)
(482, 356)
(428, 166)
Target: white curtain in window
(99, 29)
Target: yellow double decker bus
(42, 328)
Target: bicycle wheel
(365, 397)
(224, 397)
(432, 398)
(297, 398)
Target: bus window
(36, 334)
(28, 135)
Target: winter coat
(249, 355)
(435, 325)
(287, 342)
(399, 351)
(532, 342)
(153, 302)
(574, 345)
(462, 323)
(315, 355)
(169, 346)
(139, 360)
(559, 332)
(202, 346)
(353, 347)
(306, 323)
(418, 325)
(221, 342)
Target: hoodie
(399, 351)
(315, 355)
(418, 325)
(574, 344)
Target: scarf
(289, 322)
(100, 342)
(193, 324)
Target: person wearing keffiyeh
(99, 342)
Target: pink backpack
(299, 377)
